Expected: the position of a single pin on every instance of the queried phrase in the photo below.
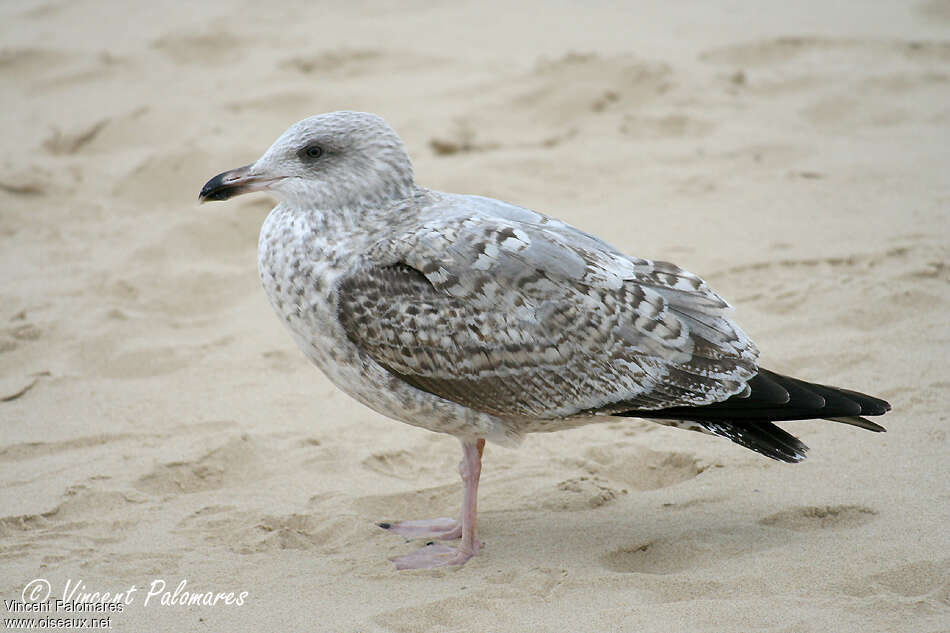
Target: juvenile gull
(478, 318)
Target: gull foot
(432, 556)
(441, 528)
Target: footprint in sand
(326, 534)
(34, 450)
(934, 11)
(205, 49)
(582, 493)
(562, 95)
(240, 460)
(789, 50)
(673, 125)
(662, 556)
(349, 62)
(809, 518)
(704, 548)
(612, 471)
(909, 80)
(22, 64)
(19, 332)
(418, 462)
(924, 580)
(246, 532)
(82, 507)
(28, 179)
(640, 468)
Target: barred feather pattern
(526, 317)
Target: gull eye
(310, 152)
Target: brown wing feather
(568, 361)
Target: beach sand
(158, 423)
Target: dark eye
(310, 152)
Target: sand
(158, 423)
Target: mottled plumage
(534, 322)
(474, 317)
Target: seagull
(470, 316)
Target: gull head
(329, 161)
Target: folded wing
(537, 320)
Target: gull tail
(747, 418)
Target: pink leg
(441, 528)
(433, 555)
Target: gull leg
(433, 555)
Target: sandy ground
(159, 425)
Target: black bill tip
(226, 185)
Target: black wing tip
(869, 404)
(861, 423)
(794, 454)
(778, 398)
(797, 458)
(763, 437)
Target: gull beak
(233, 183)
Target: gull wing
(521, 318)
